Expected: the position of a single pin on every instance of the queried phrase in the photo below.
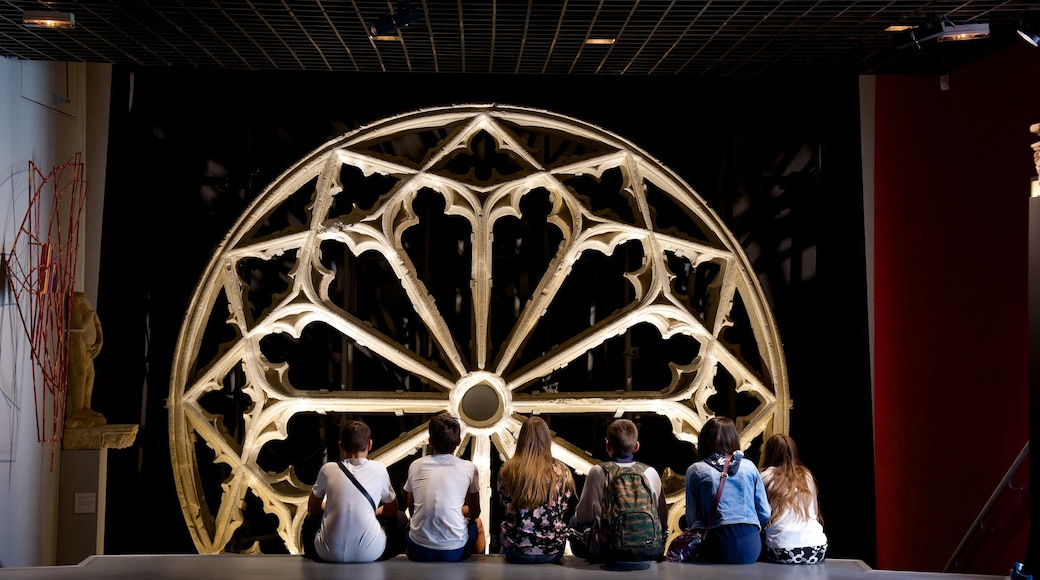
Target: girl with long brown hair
(794, 534)
(537, 492)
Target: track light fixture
(389, 23)
(954, 32)
(942, 29)
(1029, 28)
(48, 19)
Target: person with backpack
(734, 526)
(622, 509)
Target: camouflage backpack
(629, 526)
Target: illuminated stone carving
(85, 340)
(481, 260)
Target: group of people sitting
(621, 514)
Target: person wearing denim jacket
(734, 535)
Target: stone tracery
(486, 261)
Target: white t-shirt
(439, 485)
(791, 530)
(349, 529)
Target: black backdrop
(779, 161)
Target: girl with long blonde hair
(537, 492)
(794, 534)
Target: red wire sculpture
(42, 272)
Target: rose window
(485, 261)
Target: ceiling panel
(733, 38)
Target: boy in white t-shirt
(443, 500)
(350, 529)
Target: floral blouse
(542, 530)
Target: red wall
(951, 361)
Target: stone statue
(85, 340)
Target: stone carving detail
(85, 340)
(486, 261)
(106, 437)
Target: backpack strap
(356, 483)
(610, 471)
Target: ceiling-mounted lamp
(387, 25)
(954, 32)
(942, 29)
(48, 19)
(1029, 28)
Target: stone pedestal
(81, 488)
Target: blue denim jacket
(743, 499)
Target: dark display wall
(779, 162)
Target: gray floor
(164, 567)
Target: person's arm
(387, 509)
(662, 508)
(692, 499)
(314, 504)
(410, 500)
(591, 494)
(316, 500)
(762, 501)
(472, 508)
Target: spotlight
(943, 30)
(48, 19)
(953, 31)
(1029, 28)
(389, 23)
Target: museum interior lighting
(48, 19)
(942, 29)
(1029, 28)
(387, 25)
(955, 32)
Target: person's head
(791, 487)
(355, 437)
(623, 437)
(445, 434)
(780, 450)
(531, 475)
(535, 438)
(718, 435)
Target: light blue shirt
(743, 499)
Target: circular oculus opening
(481, 406)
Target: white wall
(43, 111)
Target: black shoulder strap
(356, 483)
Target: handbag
(685, 546)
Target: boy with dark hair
(342, 497)
(443, 493)
(622, 511)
